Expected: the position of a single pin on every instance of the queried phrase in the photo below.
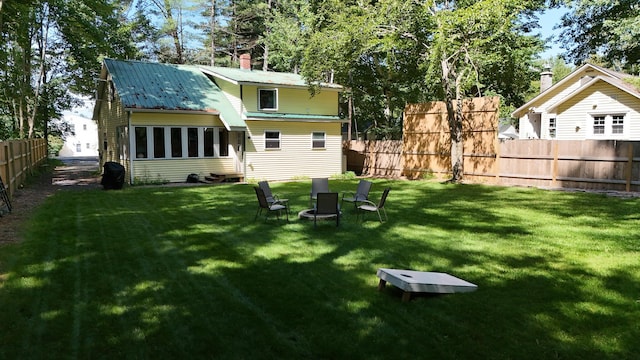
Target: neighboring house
(83, 141)
(168, 121)
(590, 103)
(507, 131)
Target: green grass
(185, 272)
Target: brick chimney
(546, 78)
(245, 62)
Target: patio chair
(318, 185)
(326, 207)
(264, 205)
(272, 198)
(361, 194)
(371, 206)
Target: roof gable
(155, 86)
(586, 75)
(257, 77)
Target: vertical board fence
(425, 149)
(18, 159)
(426, 140)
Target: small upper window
(318, 140)
(552, 128)
(272, 139)
(267, 99)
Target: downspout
(129, 147)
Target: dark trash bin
(113, 176)
(193, 178)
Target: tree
(52, 47)
(370, 48)
(471, 41)
(606, 28)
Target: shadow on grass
(186, 273)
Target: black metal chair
(361, 194)
(326, 207)
(272, 198)
(263, 204)
(371, 206)
(318, 185)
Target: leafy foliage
(607, 28)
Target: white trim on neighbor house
(588, 92)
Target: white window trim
(608, 126)
(275, 91)
(185, 145)
(279, 140)
(324, 140)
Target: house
(165, 122)
(507, 131)
(84, 139)
(590, 103)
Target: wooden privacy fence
(425, 149)
(18, 158)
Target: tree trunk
(212, 25)
(454, 118)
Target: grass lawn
(185, 272)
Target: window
(224, 142)
(165, 142)
(78, 147)
(158, 143)
(598, 125)
(318, 140)
(209, 140)
(267, 99)
(192, 142)
(88, 146)
(272, 139)
(608, 126)
(176, 142)
(84, 126)
(141, 142)
(552, 128)
(617, 125)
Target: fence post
(554, 174)
(629, 168)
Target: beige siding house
(590, 103)
(164, 122)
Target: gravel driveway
(74, 174)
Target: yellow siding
(177, 170)
(295, 101)
(295, 158)
(232, 93)
(169, 119)
(111, 116)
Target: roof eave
(172, 111)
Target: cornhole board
(411, 281)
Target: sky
(549, 19)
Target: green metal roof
(154, 86)
(242, 76)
